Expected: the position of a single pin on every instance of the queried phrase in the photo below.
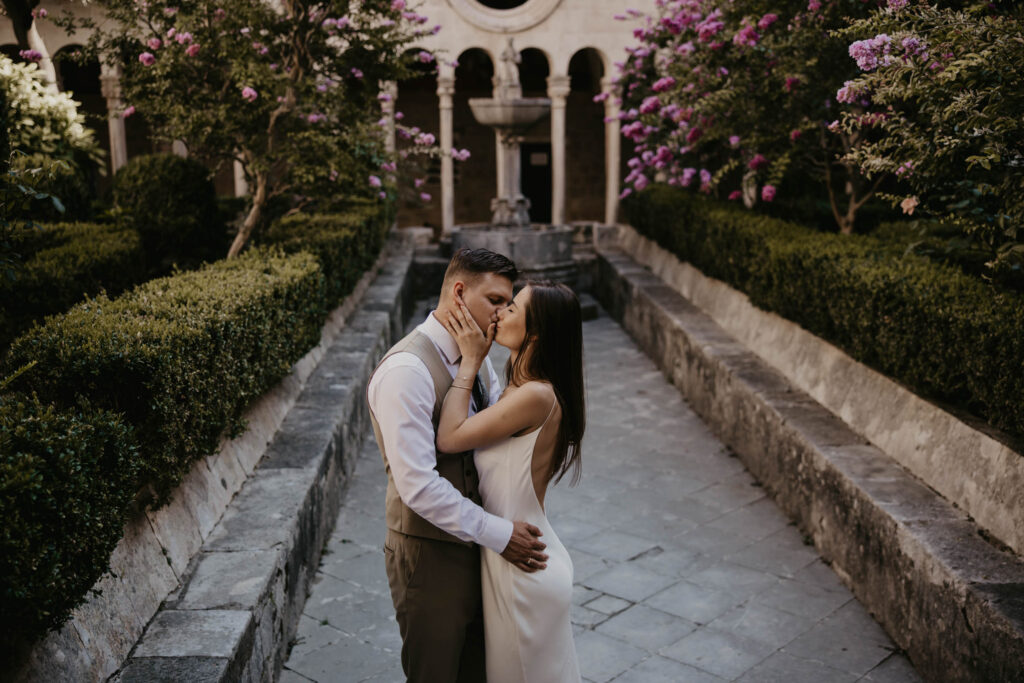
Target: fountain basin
(540, 252)
(509, 114)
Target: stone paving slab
(684, 570)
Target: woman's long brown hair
(552, 351)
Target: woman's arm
(520, 410)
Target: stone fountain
(540, 251)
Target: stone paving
(684, 569)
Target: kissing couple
(480, 582)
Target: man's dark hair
(472, 263)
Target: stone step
(923, 568)
(238, 608)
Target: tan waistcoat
(457, 468)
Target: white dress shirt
(401, 396)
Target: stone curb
(239, 604)
(953, 601)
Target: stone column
(612, 151)
(445, 93)
(110, 86)
(388, 110)
(558, 92)
(241, 186)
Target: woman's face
(512, 321)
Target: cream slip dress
(527, 630)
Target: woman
(526, 440)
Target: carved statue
(508, 73)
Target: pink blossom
(183, 37)
(272, 66)
(384, 97)
(375, 181)
(897, 4)
(768, 193)
(905, 168)
(31, 55)
(791, 82)
(746, 36)
(694, 135)
(705, 177)
(767, 20)
(662, 84)
(399, 116)
(389, 166)
(687, 178)
(734, 195)
(154, 43)
(813, 5)
(601, 97)
(707, 29)
(867, 52)
(249, 94)
(382, 194)
(425, 57)
(460, 154)
(734, 140)
(686, 48)
(650, 104)
(357, 73)
(170, 32)
(147, 58)
(192, 50)
(334, 175)
(398, 5)
(909, 204)
(794, 134)
(758, 161)
(170, 11)
(425, 139)
(419, 182)
(641, 182)
(316, 118)
(219, 14)
(834, 126)
(128, 111)
(424, 196)
(39, 13)
(625, 193)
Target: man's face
(485, 296)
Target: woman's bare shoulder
(537, 391)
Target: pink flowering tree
(738, 99)
(288, 89)
(950, 85)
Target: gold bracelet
(459, 386)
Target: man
(432, 507)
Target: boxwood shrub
(345, 244)
(180, 357)
(67, 262)
(171, 201)
(944, 334)
(66, 480)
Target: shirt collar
(441, 337)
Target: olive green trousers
(435, 587)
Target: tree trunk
(259, 201)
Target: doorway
(535, 160)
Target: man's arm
(401, 396)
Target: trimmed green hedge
(180, 357)
(345, 244)
(65, 484)
(67, 262)
(947, 336)
(171, 201)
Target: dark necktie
(479, 395)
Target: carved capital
(558, 89)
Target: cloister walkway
(684, 569)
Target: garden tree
(948, 91)
(42, 138)
(289, 89)
(735, 96)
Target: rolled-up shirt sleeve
(401, 396)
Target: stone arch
(417, 106)
(585, 138)
(475, 179)
(534, 70)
